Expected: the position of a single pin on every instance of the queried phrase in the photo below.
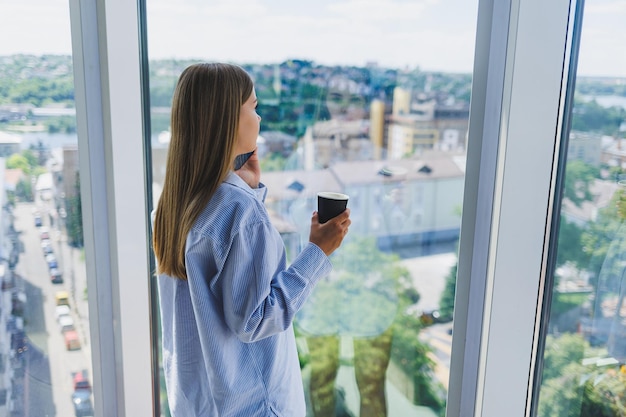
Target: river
(607, 101)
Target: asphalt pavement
(49, 366)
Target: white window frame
(517, 99)
(106, 54)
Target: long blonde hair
(204, 121)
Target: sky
(434, 35)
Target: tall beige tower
(401, 101)
(377, 126)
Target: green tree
(579, 176)
(560, 352)
(26, 161)
(605, 395)
(376, 284)
(561, 396)
(571, 389)
(74, 217)
(360, 260)
(414, 358)
(446, 301)
(24, 190)
(273, 162)
(592, 117)
(64, 124)
(17, 161)
(569, 244)
(30, 156)
(598, 237)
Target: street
(429, 275)
(48, 384)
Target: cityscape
(394, 140)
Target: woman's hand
(328, 236)
(250, 172)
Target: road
(49, 366)
(439, 337)
(429, 276)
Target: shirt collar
(235, 180)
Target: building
(602, 191)
(417, 125)
(400, 203)
(70, 185)
(586, 147)
(9, 144)
(276, 142)
(12, 301)
(613, 152)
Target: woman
(227, 297)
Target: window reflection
(585, 351)
(372, 340)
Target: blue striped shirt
(228, 343)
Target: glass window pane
(358, 98)
(45, 353)
(583, 362)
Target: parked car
(429, 317)
(62, 298)
(66, 323)
(81, 399)
(38, 221)
(81, 381)
(61, 311)
(52, 261)
(46, 246)
(19, 342)
(72, 342)
(43, 233)
(56, 277)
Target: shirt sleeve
(259, 294)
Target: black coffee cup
(330, 204)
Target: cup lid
(333, 195)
